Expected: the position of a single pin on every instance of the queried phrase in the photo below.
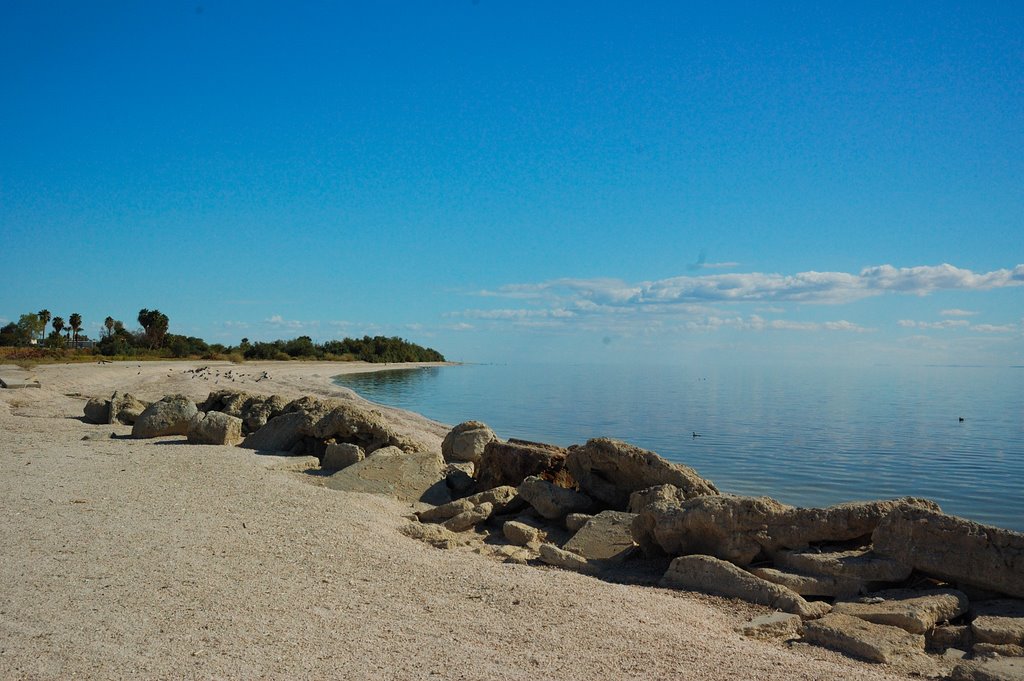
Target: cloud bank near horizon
(805, 287)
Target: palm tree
(75, 320)
(44, 317)
(109, 323)
(58, 324)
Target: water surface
(807, 437)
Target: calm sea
(807, 437)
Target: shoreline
(159, 559)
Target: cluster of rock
(879, 580)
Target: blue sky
(590, 181)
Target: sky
(600, 182)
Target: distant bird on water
(696, 434)
(961, 419)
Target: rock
(347, 422)
(858, 638)
(998, 621)
(254, 410)
(859, 564)
(466, 441)
(1004, 649)
(97, 410)
(727, 527)
(214, 428)
(280, 434)
(521, 534)
(913, 611)
(552, 555)
(610, 471)
(469, 519)
(605, 537)
(641, 499)
(441, 513)
(342, 455)
(169, 416)
(435, 535)
(715, 576)
(954, 654)
(990, 669)
(459, 480)
(774, 625)
(574, 521)
(503, 499)
(393, 472)
(812, 585)
(954, 549)
(738, 529)
(125, 408)
(509, 463)
(956, 636)
(551, 501)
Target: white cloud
(958, 313)
(805, 287)
(994, 328)
(944, 324)
(279, 322)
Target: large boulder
(721, 578)
(214, 428)
(125, 408)
(280, 434)
(340, 455)
(169, 416)
(915, 611)
(254, 410)
(609, 471)
(738, 529)
(954, 549)
(989, 669)
(509, 463)
(407, 476)
(550, 500)
(466, 441)
(97, 410)
(858, 638)
(605, 537)
(641, 499)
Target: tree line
(152, 339)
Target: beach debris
(715, 576)
(550, 500)
(214, 428)
(858, 638)
(169, 416)
(466, 441)
(954, 548)
(610, 470)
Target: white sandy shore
(158, 559)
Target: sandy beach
(157, 559)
